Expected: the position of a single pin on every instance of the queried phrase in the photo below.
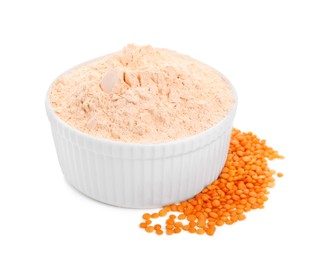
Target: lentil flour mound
(242, 186)
(142, 95)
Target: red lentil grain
(149, 229)
(159, 232)
(146, 216)
(157, 226)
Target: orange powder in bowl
(141, 128)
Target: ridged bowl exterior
(140, 175)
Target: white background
(263, 47)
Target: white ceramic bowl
(140, 175)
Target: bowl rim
(50, 111)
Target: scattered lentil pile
(242, 186)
